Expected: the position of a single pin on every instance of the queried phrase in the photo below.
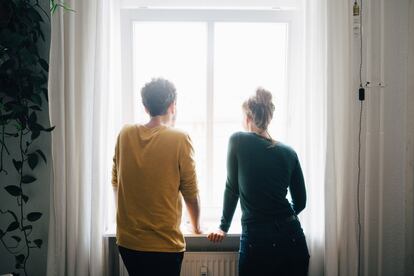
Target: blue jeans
(273, 249)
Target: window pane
(247, 55)
(176, 51)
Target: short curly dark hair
(157, 95)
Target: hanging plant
(23, 95)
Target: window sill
(199, 242)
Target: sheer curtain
(81, 75)
(311, 125)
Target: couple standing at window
(154, 166)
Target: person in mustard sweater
(153, 168)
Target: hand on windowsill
(217, 236)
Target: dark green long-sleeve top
(260, 173)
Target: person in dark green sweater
(260, 171)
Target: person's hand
(217, 236)
(197, 231)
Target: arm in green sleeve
(231, 192)
(297, 189)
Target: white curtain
(340, 194)
(307, 123)
(384, 219)
(82, 72)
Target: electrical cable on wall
(357, 12)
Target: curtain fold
(340, 193)
(310, 109)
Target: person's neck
(260, 132)
(159, 121)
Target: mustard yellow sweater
(152, 168)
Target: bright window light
(176, 51)
(246, 56)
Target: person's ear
(245, 122)
(172, 108)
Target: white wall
(38, 191)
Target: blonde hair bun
(263, 96)
(260, 108)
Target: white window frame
(295, 52)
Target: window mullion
(210, 109)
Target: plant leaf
(53, 9)
(33, 160)
(42, 155)
(12, 134)
(38, 242)
(33, 117)
(27, 227)
(12, 226)
(50, 129)
(65, 7)
(35, 134)
(16, 238)
(25, 198)
(44, 64)
(17, 164)
(35, 107)
(28, 179)
(34, 216)
(36, 99)
(20, 258)
(45, 94)
(13, 190)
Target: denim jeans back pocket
(258, 246)
(298, 244)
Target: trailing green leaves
(55, 4)
(35, 134)
(49, 129)
(27, 227)
(17, 164)
(12, 226)
(33, 160)
(16, 238)
(42, 155)
(38, 242)
(13, 190)
(23, 93)
(44, 64)
(19, 261)
(26, 179)
(34, 216)
(25, 198)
